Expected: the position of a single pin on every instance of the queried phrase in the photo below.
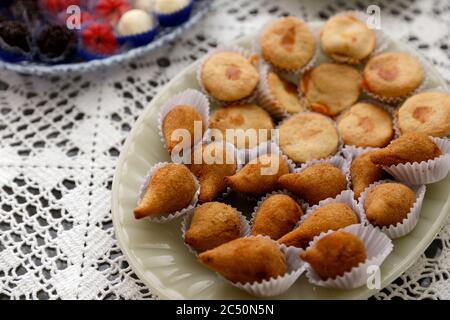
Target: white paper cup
(188, 97)
(425, 172)
(409, 223)
(169, 216)
(186, 224)
(378, 247)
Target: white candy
(146, 5)
(134, 22)
(169, 6)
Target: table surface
(60, 138)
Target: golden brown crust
(363, 173)
(213, 224)
(346, 39)
(366, 125)
(426, 112)
(287, 43)
(409, 147)
(276, 216)
(332, 216)
(211, 175)
(388, 203)
(284, 93)
(308, 136)
(229, 76)
(330, 88)
(171, 188)
(259, 176)
(246, 116)
(335, 254)
(392, 74)
(318, 182)
(244, 260)
(180, 117)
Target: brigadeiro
(55, 43)
(15, 40)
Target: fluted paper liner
(378, 247)
(190, 97)
(425, 172)
(279, 285)
(219, 102)
(169, 216)
(186, 224)
(409, 223)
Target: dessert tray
(157, 253)
(199, 9)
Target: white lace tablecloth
(60, 139)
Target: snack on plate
(242, 117)
(315, 183)
(427, 112)
(170, 189)
(366, 125)
(347, 39)
(307, 136)
(213, 224)
(392, 75)
(246, 260)
(335, 254)
(332, 216)
(259, 176)
(330, 88)
(388, 204)
(363, 173)
(276, 215)
(287, 43)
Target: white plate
(157, 253)
(168, 34)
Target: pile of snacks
(357, 141)
(65, 31)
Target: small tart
(366, 125)
(229, 76)
(427, 112)
(245, 117)
(347, 39)
(392, 75)
(308, 136)
(330, 88)
(287, 43)
(284, 93)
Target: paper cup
(425, 172)
(378, 247)
(188, 97)
(177, 17)
(409, 223)
(169, 216)
(186, 223)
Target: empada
(171, 188)
(213, 224)
(249, 259)
(332, 216)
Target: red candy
(99, 38)
(112, 10)
(56, 6)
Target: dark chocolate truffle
(15, 34)
(56, 41)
